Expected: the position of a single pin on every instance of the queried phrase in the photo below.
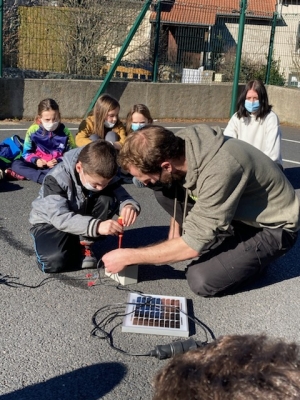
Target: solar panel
(157, 315)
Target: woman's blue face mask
(252, 107)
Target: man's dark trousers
(234, 257)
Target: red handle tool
(120, 222)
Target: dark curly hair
(237, 367)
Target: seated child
(138, 116)
(46, 141)
(75, 205)
(104, 123)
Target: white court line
(25, 129)
(167, 127)
(75, 129)
(289, 140)
(290, 161)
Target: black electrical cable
(8, 280)
(160, 351)
(108, 335)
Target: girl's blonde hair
(103, 106)
(141, 109)
(46, 105)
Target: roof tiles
(204, 12)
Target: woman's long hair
(264, 106)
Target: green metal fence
(178, 41)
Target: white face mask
(50, 126)
(108, 124)
(88, 186)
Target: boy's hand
(109, 227)
(129, 215)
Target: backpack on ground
(10, 149)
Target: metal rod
(156, 45)
(1, 38)
(237, 68)
(270, 53)
(126, 43)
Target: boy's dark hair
(264, 106)
(99, 158)
(237, 367)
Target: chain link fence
(196, 41)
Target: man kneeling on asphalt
(233, 210)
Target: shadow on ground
(91, 383)
(132, 238)
(293, 175)
(6, 186)
(285, 268)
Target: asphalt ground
(47, 350)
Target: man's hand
(109, 227)
(115, 261)
(129, 215)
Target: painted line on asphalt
(75, 129)
(289, 140)
(25, 129)
(290, 161)
(167, 127)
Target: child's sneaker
(11, 175)
(89, 259)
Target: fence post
(1, 38)
(243, 7)
(270, 53)
(156, 46)
(119, 56)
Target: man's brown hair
(238, 367)
(148, 147)
(99, 158)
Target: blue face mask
(136, 126)
(252, 107)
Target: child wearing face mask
(75, 207)
(255, 122)
(46, 141)
(138, 116)
(103, 123)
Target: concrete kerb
(165, 100)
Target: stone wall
(20, 97)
